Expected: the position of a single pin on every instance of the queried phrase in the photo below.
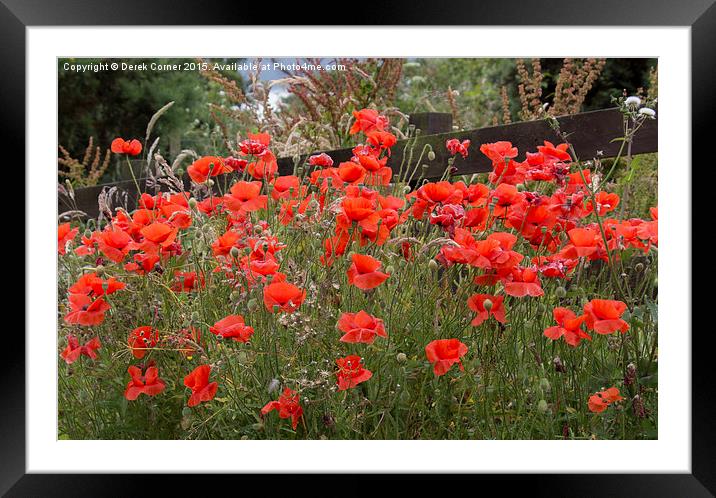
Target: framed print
(425, 247)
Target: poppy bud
(487, 304)
(88, 233)
(258, 427)
(542, 406)
(626, 316)
(195, 316)
(186, 411)
(520, 187)
(252, 305)
(431, 155)
(432, 264)
(545, 385)
(401, 357)
(210, 182)
(234, 252)
(390, 269)
(561, 292)
(192, 203)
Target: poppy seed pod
(560, 292)
(401, 357)
(639, 267)
(253, 304)
(234, 252)
(487, 304)
(192, 203)
(432, 264)
(431, 155)
(210, 182)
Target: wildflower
(92, 285)
(604, 316)
(149, 383)
(201, 388)
(141, 339)
(360, 327)
(485, 305)
(323, 160)
(286, 296)
(287, 406)
(244, 197)
(64, 235)
(633, 101)
(86, 311)
(646, 111)
(524, 282)
(73, 351)
(187, 281)
(569, 326)
(232, 327)
(454, 146)
(351, 372)
(367, 120)
(444, 353)
(204, 167)
(364, 274)
(132, 147)
(599, 402)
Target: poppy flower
(364, 274)
(232, 327)
(86, 311)
(141, 339)
(569, 326)
(204, 167)
(286, 296)
(599, 402)
(244, 197)
(351, 372)
(476, 303)
(444, 353)
(73, 350)
(201, 388)
(323, 160)
(132, 147)
(93, 285)
(499, 152)
(187, 281)
(149, 383)
(604, 316)
(265, 167)
(360, 327)
(287, 406)
(64, 235)
(454, 146)
(160, 233)
(188, 340)
(606, 202)
(114, 243)
(368, 120)
(524, 282)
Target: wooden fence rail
(589, 133)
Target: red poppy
(364, 274)
(523, 282)
(132, 147)
(322, 159)
(454, 146)
(149, 383)
(606, 202)
(188, 340)
(444, 353)
(160, 233)
(569, 326)
(187, 281)
(114, 243)
(604, 316)
(232, 327)
(499, 152)
(360, 327)
(91, 284)
(286, 296)
(368, 120)
(73, 350)
(351, 372)
(287, 405)
(599, 402)
(476, 303)
(141, 339)
(201, 388)
(64, 235)
(86, 311)
(244, 197)
(204, 167)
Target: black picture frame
(700, 15)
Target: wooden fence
(590, 133)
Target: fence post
(432, 123)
